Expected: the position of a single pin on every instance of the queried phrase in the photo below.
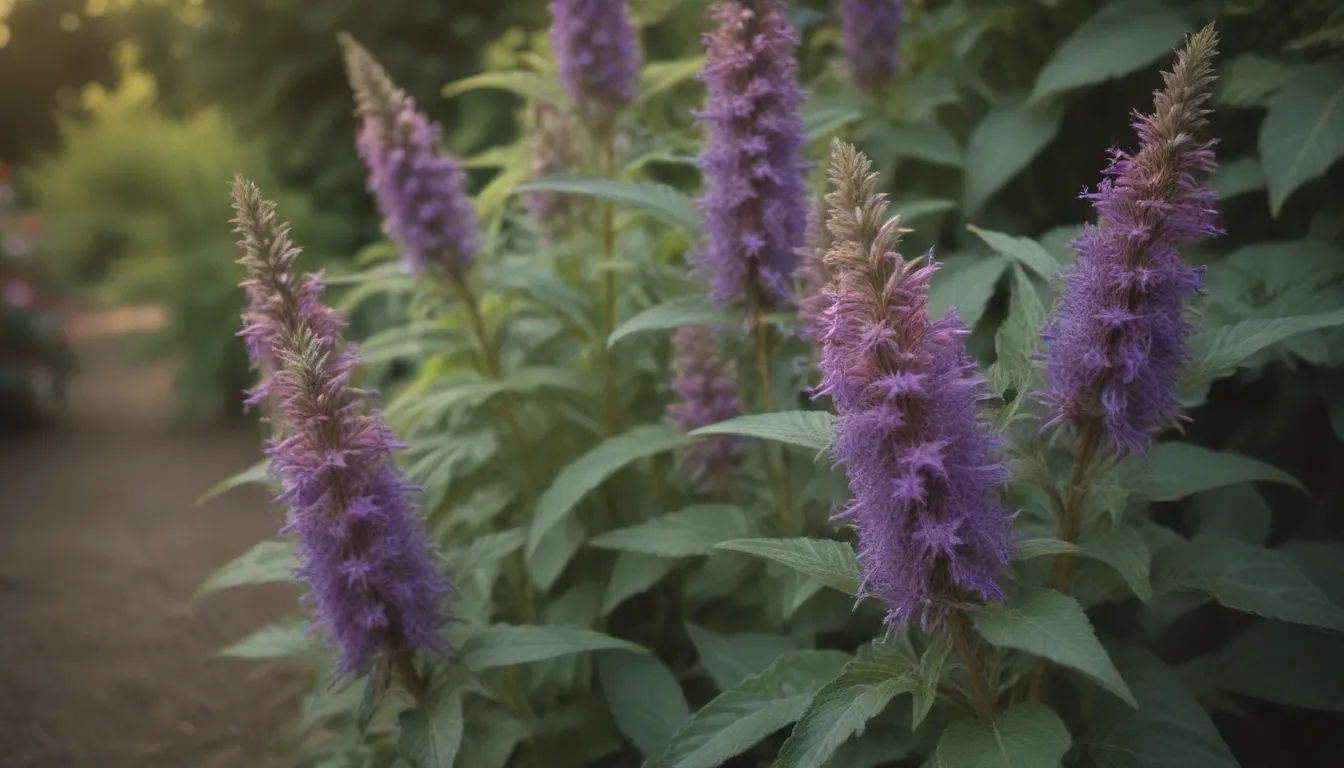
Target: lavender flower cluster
(598, 54)
(872, 31)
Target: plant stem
(610, 412)
(963, 639)
(410, 676)
(524, 711)
(774, 455)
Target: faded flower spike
(597, 50)
(1117, 339)
(872, 30)
(553, 152)
(811, 278)
(706, 388)
(419, 188)
(361, 546)
(922, 468)
(754, 204)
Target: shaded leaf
(1043, 547)
(968, 287)
(431, 736)
(257, 473)
(1249, 80)
(502, 645)
(527, 84)
(1003, 143)
(833, 563)
(633, 574)
(1124, 550)
(1217, 352)
(672, 314)
(842, 708)
(658, 200)
(1237, 177)
(1302, 135)
(644, 699)
(1287, 664)
(1023, 250)
(690, 531)
(730, 659)
(824, 116)
(1122, 37)
(273, 641)
(929, 142)
(1176, 470)
(266, 563)
(658, 76)
(1236, 511)
(1018, 339)
(1029, 735)
(813, 430)
(928, 676)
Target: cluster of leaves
(611, 614)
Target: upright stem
(610, 412)
(963, 639)
(774, 456)
(410, 676)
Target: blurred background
(121, 123)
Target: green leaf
(1043, 547)
(1217, 352)
(553, 553)
(685, 533)
(1169, 730)
(968, 287)
(591, 469)
(842, 708)
(658, 200)
(917, 208)
(1236, 511)
(1237, 177)
(644, 699)
(1124, 550)
(1053, 626)
(502, 645)
(257, 473)
(824, 116)
(929, 142)
(684, 310)
(1029, 735)
(928, 677)
(658, 76)
(731, 659)
(1018, 340)
(1122, 37)
(1004, 142)
(833, 563)
(431, 736)
(280, 640)
(1302, 135)
(633, 574)
(736, 720)
(1176, 470)
(1287, 664)
(1249, 80)
(1024, 250)
(266, 563)
(813, 430)
(527, 84)
(1247, 578)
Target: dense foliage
(1016, 502)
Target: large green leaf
(1237, 177)
(843, 707)
(431, 736)
(813, 430)
(1236, 511)
(1018, 340)
(1217, 352)
(966, 285)
(1124, 550)
(644, 699)
(690, 531)
(929, 142)
(1024, 250)
(1029, 735)
(590, 470)
(1048, 624)
(633, 574)
(928, 678)
(833, 563)
(658, 200)
(257, 473)
(1003, 143)
(824, 116)
(910, 209)
(1043, 547)
(266, 563)
(1169, 730)
(529, 85)
(1246, 578)
(658, 76)
(280, 640)
(1284, 663)
(1123, 37)
(736, 720)
(1173, 471)
(1302, 135)
(730, 659)
(502, 645)
(1250, 80)
(684, 310)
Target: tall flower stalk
(1116, 342)
(923, 469)
(872, 34)
(597, 49)
(362, 548)
(706, 388)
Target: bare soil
(104, 661)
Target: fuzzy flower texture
(922, 468)
(871, 30)
(362, 548)
(597, 51)
(419, 188)
(754, 205)
(706, 390)
(1117, 340)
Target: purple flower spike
(922, 468)
(1117, 340)
(597, 49)
(812, 277)
(706, 388)
(872, 30)
(362, 549)
(419, 188)
(754, 204)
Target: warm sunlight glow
(70, 21)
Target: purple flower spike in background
(362, 548)
(553, 152)
(597, 48)
(922, 468)
(420, 189)
(754, 204)
(1117, 339)
(706, 390)
(872, 30)
(812, 277)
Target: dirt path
(103, 661)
